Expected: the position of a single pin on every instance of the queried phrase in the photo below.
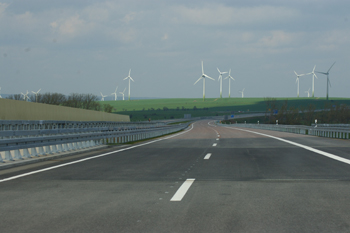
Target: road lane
(251, 183)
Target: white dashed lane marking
(180, 193)
(207, 156)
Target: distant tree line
(177, 109)
(330, 114)
(74, 100)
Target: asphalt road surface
(206, 179)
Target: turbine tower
(229, 77)
(308, 93)
(103, 97)
(115, 94)
(327, 73)
(313, 81)
(203, 77)
(220, 79)
(129, 77)
(36, 95)
(297, 81)
(123, 92)
(242, 91)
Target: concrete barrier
(21, 110)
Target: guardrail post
(65, 147)
(33, 152)
(59, 148)
(72, 146)
(8, 156)
(26, 153)
(18, 154)
(54, 149)
(48, 150)
(1, 160)
(41, 151)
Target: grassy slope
(218, 106)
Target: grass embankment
(158, 109)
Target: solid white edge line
(207, 156)
(214, 144)
(93, 157)
(180, 193)
(329, 155)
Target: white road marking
(93, 157)
(180, 193)
(217, 139)
(329, 155)
(214, 144)
(207, 156)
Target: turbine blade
(224, 73)
(132, 79)
(202, 68)
(129, 72)
(125, 78)
(209, 77)
(314, 69)
(218, 70)
(330, 67)
(321, 72)
(329, 81)
(295, 73)
(197, 81)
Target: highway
(205, 179)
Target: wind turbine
(297, 80)
(123, 92)
(229, 77)
(203, 77)
(129, 77)
(220, 79)
(327, 73)
(242, 91)
(103, 97)
(25, 96)
(115, 94)
(313, 81)
(308, 93)
(36, 95)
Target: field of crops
(176, 108)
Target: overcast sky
(88, 46)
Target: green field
(141, 110)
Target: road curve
(207, 179)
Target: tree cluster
(330, 114)
(74, 100)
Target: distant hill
(142, 109)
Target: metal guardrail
(317, 130)
(32, 125)
(56, 137)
